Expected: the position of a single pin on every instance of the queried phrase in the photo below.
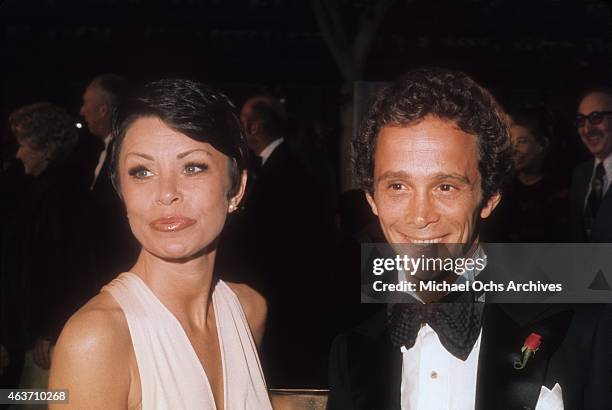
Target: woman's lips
(172, 223)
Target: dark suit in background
(279, 245)
(114, 237)
(602, 227)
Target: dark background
(527, 52)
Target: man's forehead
(595, 101)
(429, 149)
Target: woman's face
(34, 160)
(528, 152)
(175, 189)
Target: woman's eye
(192, 169)
(140, 173)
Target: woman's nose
(169, 192)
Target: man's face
(95, 111)
(427, 186)
(596, 137)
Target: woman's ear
(235, 200)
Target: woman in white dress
(168, 333)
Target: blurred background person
(591, 201)
(100, 100)
(281, 243)
(46, 260)
(535, 202)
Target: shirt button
(433, 374)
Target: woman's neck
(184, 287)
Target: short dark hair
(190, 108)
(271, 114)
(113, 87)
(47, 127)
(537, 121)
(448, 95)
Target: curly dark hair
(190, 108)
(47, 127)
(446, 94)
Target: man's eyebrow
(393, 174)
(184, 154)
(439, 176)
(454, 176)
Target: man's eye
(192, 169)
(396, 186)
(140, 173)
(446, 187)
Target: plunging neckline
(191, 349)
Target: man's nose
(169, 191)
(19, 153)
(422, 211)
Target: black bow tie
(456, 324)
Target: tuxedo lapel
(505, 328)
(376, 369)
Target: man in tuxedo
(431, 155)
(591, 200)
(116, 246)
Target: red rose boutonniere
(530, 346)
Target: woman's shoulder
(98, 327)
(251, 300)
(254, 306)
(89, 354)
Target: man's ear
(104, 109)
(491, 204)
(372, 203)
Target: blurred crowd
(296, 239)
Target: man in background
(590, 199)
(118, 248)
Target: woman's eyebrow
(138, 154)
(184, 154)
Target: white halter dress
(171, 374)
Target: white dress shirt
(607, 164)
(434, 379)
(267, 151)
(101, 160)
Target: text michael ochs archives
(433, 267)
(476, 285)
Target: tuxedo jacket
(602, 229)
(365, 369)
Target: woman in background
(169, 333)
(44, 241)
(535, 202)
